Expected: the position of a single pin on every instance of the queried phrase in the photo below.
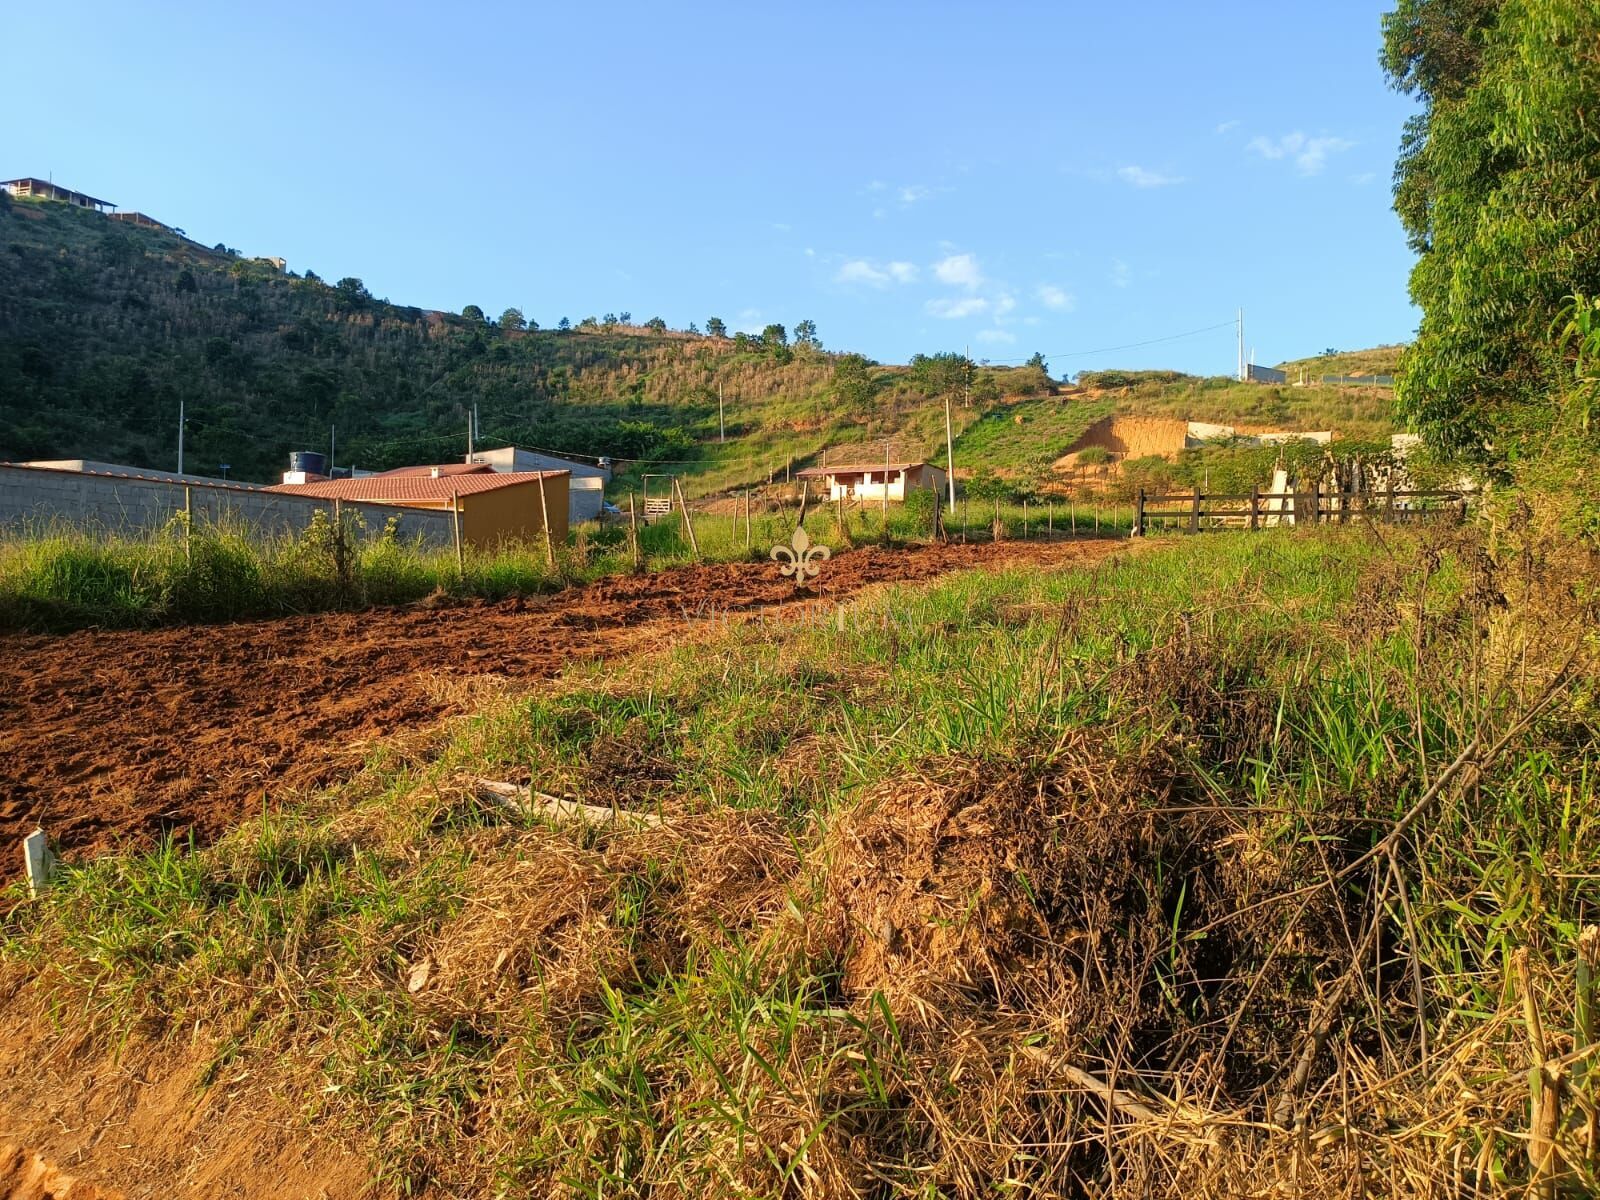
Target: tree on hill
(352, 293)
(512, 318)
(1037, 361)
(715, 328)
(656, 325)
(805, 334)
(472, 314)
(775, 335)
(563, 325)
(942, 374)
(625, 317)
(853, 382)
(1495, 187)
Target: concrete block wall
(32, 497)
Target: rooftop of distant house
(856, 469)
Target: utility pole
(1241, 344)
(180, 437)
(722, 430)
(470, 414)
(330, 451)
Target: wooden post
(1024, 520)
(1072, 512)
(1255, 507)
(1050, 521)
(188, 523)
(886, 491)
(1138, 514)
(747, 520)
(998, 528)
(1097, 520)
(633, 532)
(455, 525)
(1194, 511)
(688, 521)
(544, 515)
(1316, 503)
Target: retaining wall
(32, 497)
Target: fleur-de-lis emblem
(800, 558)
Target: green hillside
(105, 328)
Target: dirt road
(112, 735)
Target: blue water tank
(312, 462)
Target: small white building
(587, 481)
(867, 481)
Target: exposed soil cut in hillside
(107, 736)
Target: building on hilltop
(142, 221)
(44, 189)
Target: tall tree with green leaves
(1496, 184)
(716, 328)
(512, 318)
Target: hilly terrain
(105, 328)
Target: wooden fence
(1193, 511)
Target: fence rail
(1312, 506)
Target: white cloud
(911, 193)
(864, 271)
(810, 253)
(1142, 178)
(877, 185)
(1003, 304)
(783, 226)
(1310, 154)
(1054, 297)
(1121, 273)
(859, 270)
(959, 270)
(1227, 126)
(995, 335)
(949, 309)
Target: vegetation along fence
(1193, 511)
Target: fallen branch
(1129, 1104)
(526, 802)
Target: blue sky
(913, 177)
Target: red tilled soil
(107, 736)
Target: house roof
(856, 469)
(443, 469)
(412, 489)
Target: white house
(866, 481)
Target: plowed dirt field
(112, 736)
